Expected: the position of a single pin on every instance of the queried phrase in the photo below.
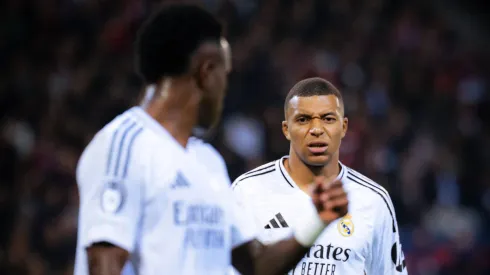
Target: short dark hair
(168, 38)
(312, 87)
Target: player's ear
(203, 73)
(345, 126)
(285, 130)
(202, 65)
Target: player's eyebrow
(302, 114)
(306, 114)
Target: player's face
(315, 126)
(215, 86)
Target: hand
(330, 199)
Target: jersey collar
(290, 181)
(149, 122)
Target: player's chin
(317, 159)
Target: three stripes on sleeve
(277, 222)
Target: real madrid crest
(346, 226)
(112, 197)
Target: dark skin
(309, 120)
(105, 258)
(196, 98)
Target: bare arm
(106, 259)
(279, 258)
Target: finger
(341, 211)
(332, 195)
(317, 202)
(323, 197)
(317, 183)
(315, 190)
(336, 184)
(340, 202)
(316, 199)
(335, 193)
(318, 188)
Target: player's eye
(302, 119)
(329, 119)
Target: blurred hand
(330, 199)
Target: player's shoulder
(206, 153)
(368, 189)
(372, 197)
(256, 176)
(123, 131)
(121, 140)
(202, 147)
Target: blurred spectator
(416, 94)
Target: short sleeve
(243, 227)
(111, 196)
(386, 256)
(242, 224)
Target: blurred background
(414, 75)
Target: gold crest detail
(346, 226)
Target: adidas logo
(277, 222)
(180, 182)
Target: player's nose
(316, 128)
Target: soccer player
(366, 240)
(155, 200)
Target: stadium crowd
(415, 93)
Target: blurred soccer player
(366, 240)
(152, 196)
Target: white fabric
(170, 207)
(310, 228)
(360, 243)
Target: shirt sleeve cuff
(111, 235)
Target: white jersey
(365, 241)
(170, 207)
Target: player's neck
(303, 174)
(176, 109)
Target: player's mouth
(317, 147)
